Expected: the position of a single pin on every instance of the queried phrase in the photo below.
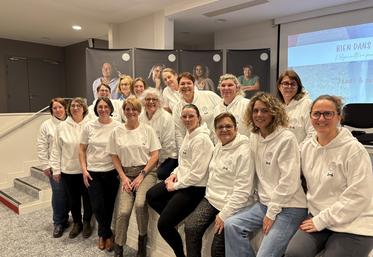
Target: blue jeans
(239, 228)
(60, 203)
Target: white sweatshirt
(96, 136)
(65, 150)
(340, 184)
(206, 101)
(194, 157)
(117, 115)
(299, 118)
(45, 141)
(230, 185)
(164, 127)
(170, 97)
(238, 108)
(277, 165)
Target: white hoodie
(170, 97)
(117, 115)
(45, 141)
(194, 157)
(205, 102)
(230, 185)
(277, 165)
(164, 127)
(238, 108)
(299, 118)
(65, 150)
(340, 184)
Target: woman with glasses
(229, 188)
(339, 177)
(124, 87)
(66, 166)
(282, 202)
(297, 103)
(57, 108)
(163, 125)
(176, 197)
(134, 149)
(232, 101)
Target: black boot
(141, 246)
(118, 250)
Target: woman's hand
(57, 178)
(267, 224)
(86, 178)
(126, 184)
(219, 225)
(308, 226)
(171, 178)
(137, 181)
(48, 172)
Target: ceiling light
(76, 27)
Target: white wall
(18, 149)
(255, 36)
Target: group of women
(229, 162)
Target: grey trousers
(123, 208)
(336, 244)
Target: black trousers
(173, 207)
(102, 193)
(164, 170)
(76, 191)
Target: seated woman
(339, 177)
(162, 123)
(99, 175)
(134, 149)
(176, 197)
(282, 202)
(229, 188)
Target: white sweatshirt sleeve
(56, 154)
(289, 183)
(243, 186)
(43, 147)
(202, 150)
(355, 198)
(180, 130)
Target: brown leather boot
(141, 246)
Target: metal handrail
(20, 124)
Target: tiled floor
(31, 235)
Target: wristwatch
(143, 172)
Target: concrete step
(37, 172)
(13, 198)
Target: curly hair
(275, 107)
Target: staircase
(28, 193)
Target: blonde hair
(123, 77)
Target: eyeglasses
(151, 99)
(328, 115)
(225, 127)
(292, 84)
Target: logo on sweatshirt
(332, 166)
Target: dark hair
(294, 76)
(132, 87)
(80, 101)
(187, 75)
(103, 85)
(336, 100)
(248, 66)
(192, 106)
(106, 100)
(225, 115)
(58, 100)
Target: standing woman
(230, 187)
(176, 197)
(297, 103)
(66, 166)
(163, 125)
(232, 101)
(99, 174)
(204, 100)
(339, 177)
(57, 108)
(282, 202)
(138, 86)
(171, 94)
(134, 149)
(124, 87)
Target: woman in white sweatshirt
(282, 202)
(297, 103)
(233, 101)
(230, 187)
(66, 166)
(176, 197)
(170, 93)
(57, 108)
(339, 177)
(162, 123)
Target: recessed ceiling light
(76, 27)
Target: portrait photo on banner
(105, 66)
(252, 68)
